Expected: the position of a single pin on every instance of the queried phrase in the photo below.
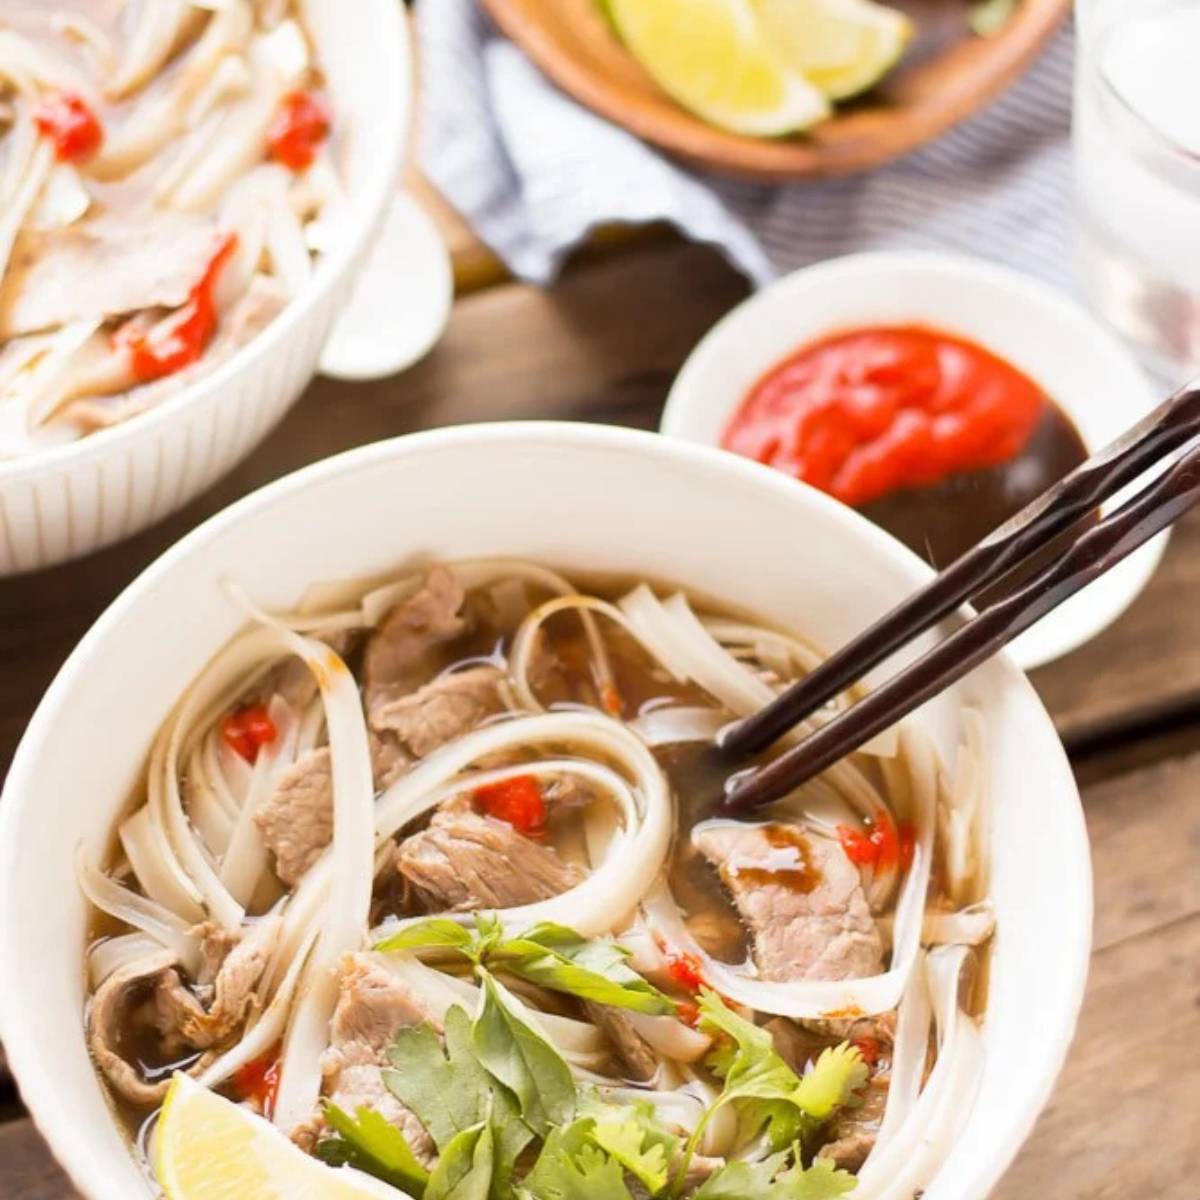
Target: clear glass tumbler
(1137, 173)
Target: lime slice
(841, 47)
(711, 56)
(208, 1148)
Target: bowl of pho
(380, 864)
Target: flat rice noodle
(144, 846)
(910, 1158)
(158, 27)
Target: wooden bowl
(947, 74)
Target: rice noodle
(114, 953)
(151, 918)
(962, 821)
(143, 844)
(912, 1155)
(351, 872)
(671, 725)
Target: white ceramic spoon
(401, 300)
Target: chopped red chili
(71, 125)
(258, 1081)
(882, 844)
(688, 1012)
(300, 126)
(248, 730)
(685, 970)
(517, 800)
(610, 698)
(868, 1047)
(181, 337)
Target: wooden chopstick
(1173, 424)
(1098, 549)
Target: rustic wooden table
(603, 345)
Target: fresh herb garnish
(465, 1167)
(572, 1167)
(451, 1093)
(550, 955)
(631, 1134)
(367, 1142)
(522, 1060)
(768, 1180)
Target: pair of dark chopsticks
(1068, 506)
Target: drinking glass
(1137, 173)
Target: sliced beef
(297, 819)
(442, 710)
(404, 651)
(124, 990)
(468, 861)
(372, 1006)
(800, 897)
(95, 269)
(181, 1015)
(851, 1133)
(629, 1046)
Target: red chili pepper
(69, 122)
(868, 1047)
(248, 730)
(688, 1012)
(610, 698)
(881, 845)
(180, 338)
(300, 126)
(258, 1081)
(517, 800)
(866, 412)
(685, 970)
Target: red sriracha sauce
(870, 411)
(300, 126)
(258, 1081)
(517, 800)
(180, 338)
(248, 730)
(883, 845)
(68, 121)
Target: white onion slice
(114, 953)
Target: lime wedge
(208, 1148)
(712, 57)
(842, 47)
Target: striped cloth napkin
(534, 172)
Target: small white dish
(585, 498)
(1091, 376)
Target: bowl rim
(1004, 57)
(37, 1085)
(679, 417)
(331, 269)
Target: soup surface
(165, 183)
(469, 811)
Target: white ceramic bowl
(585, 498)
(1079, 363)
(65, 501)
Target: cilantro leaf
(464, 1169)
(766, 1181)
(595, 969)
(522, 1060)
(631, 1134)
(738, 1180)
(571, 1167)
(371, 1144)
(450, 1092)
(835, 1077)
